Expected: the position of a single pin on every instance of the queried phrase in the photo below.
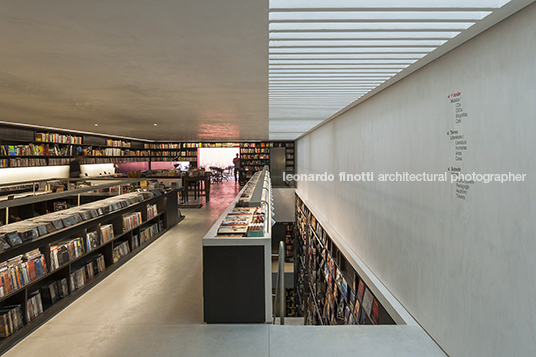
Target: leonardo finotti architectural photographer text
(407, 177)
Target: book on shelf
(152, 211)
(131, 220)
(360, 290)
(34, 306)
(135, 241)
(65, 251)
(50, 292)
(78, 278)
(367, 301)
(11, 320)
(120, 250)
(20, 270)
(148, 232)
(92, 240)
(107, 233)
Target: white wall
(465, 269)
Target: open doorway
(219, 161)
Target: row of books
(255, 145)
(249, 163)
(243, 221)
(121, 250)
(107, 233)
(152, 211)
(11, 320)
(164, 146)
(131, 220)
(38, 150)
(333, 299)
(82, 274)
(116, 152)
(19, 271)
(64, 252)
(255, 151)
(118, 143)
(34, 306)
(188, 153)
(112, 160)
(58, 138)
(256, 157)
(190, 145)
(149, 232)
(19, 232)
(24, 162)
(53, 291)
(58, 162)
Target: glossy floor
(152, 306)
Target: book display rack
(329, 290)
(48, 261)
(237, 270)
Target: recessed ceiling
(327, 54)
(198, 69)
(217, 70)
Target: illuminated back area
(327, 54)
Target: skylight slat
(375, 16)
(358, 43)
(346, 56)
(340, 35)
(276, 5)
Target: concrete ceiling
(197, 69)
(200, 70)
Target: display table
(237, 273)
(199, 185)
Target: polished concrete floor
(152, 306)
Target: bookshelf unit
(80, 263)
(237, 269)
(253, 157)
(329, 290)
(25, 147)
(180, 151)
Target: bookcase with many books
(23, 147)
(253, 157)
(186, 151)
(329, 290)
(48, 261)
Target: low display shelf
(237, 271)
(48, 261)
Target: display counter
(237, 270)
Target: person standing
(236, 163)
(74, 167)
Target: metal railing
(280, 287)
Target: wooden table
(200, 184)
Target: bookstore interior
(268, 178)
